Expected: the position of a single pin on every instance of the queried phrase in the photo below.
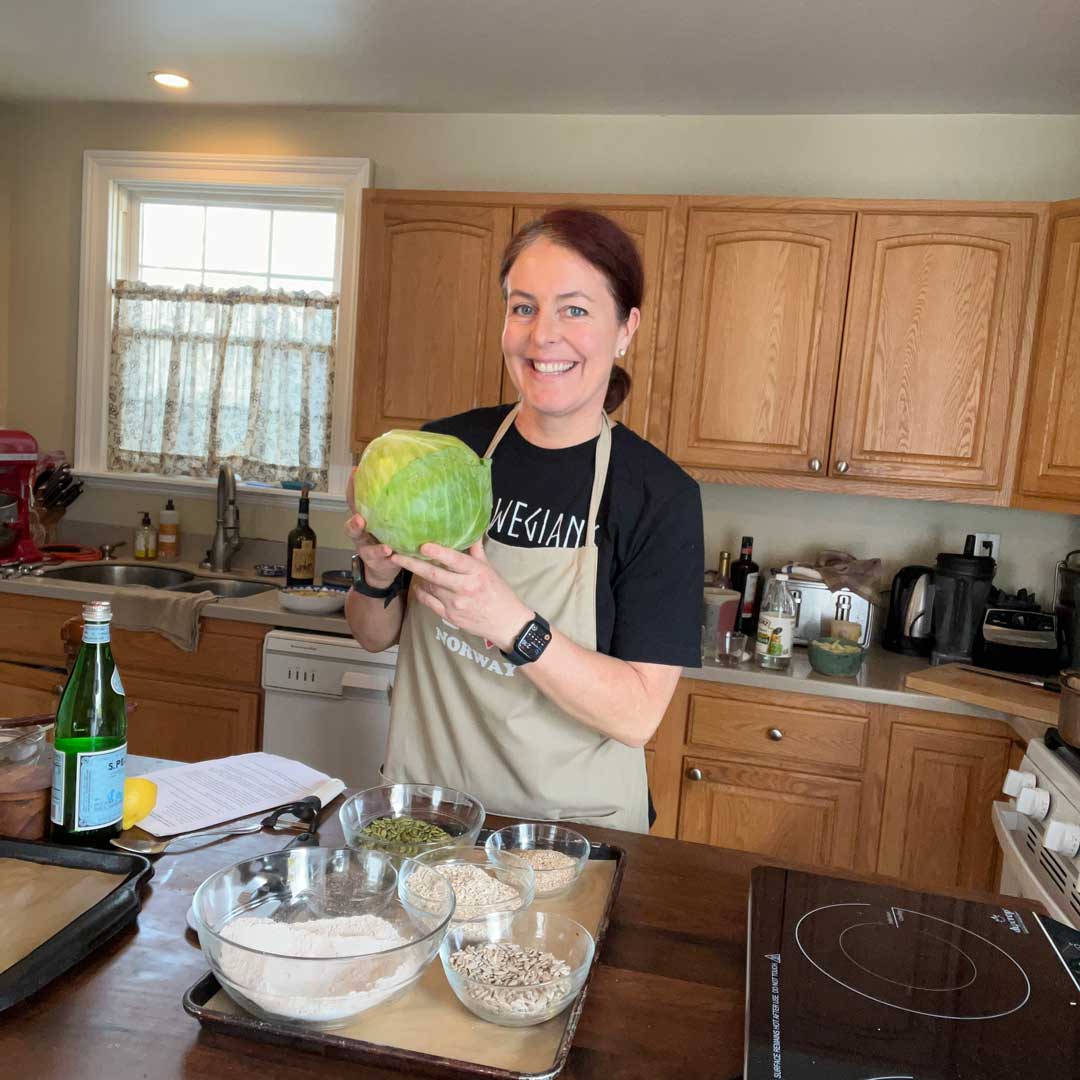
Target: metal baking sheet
(60, 904)
(450, 1041)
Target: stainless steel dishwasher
(326, 702)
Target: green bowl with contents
(835, 656)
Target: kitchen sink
(158, 577)
(223, 587)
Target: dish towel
(175, 616)
(841, 570)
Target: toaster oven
(816, 605)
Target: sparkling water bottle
(91, 741)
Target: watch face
(533, 641)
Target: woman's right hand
(379, 571)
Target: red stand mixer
(18, 463)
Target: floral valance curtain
(203, 376)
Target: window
(216, 318)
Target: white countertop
(880, 681)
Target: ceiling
(555, 56)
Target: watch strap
(364, 589)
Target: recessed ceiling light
(170, 79)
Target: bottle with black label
(744, 580)
(300, 553)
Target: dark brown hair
(602, 244)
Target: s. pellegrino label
(91, 741)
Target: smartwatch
(364, 589)
(530, 644)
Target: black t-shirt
(649, 530)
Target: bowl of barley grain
(556, 854)
(517, 969)
(482, 884)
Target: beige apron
(464, 717)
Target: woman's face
(562, 331)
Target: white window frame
(110, 178)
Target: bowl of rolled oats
(482, 885)
(556, 854)
(517, 968)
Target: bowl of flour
(314, 937)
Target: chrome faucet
(227, 534)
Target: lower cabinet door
(936, 827)
(190, 723)
(26, 690)
(787, 815)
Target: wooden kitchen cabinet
(759, 338)
(937, 308)
(782, 813)
(1050, 465)
(28, 690)
(941, 782)
(430, 311)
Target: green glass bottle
(91, 741)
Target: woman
(535, 667)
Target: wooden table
(665, 1001)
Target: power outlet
(993, 539)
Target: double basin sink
(157, 577)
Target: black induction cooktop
(850, 981)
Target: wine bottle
(723, 575)
(90, 749)
(300, 555)
(744, 580)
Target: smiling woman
(534, 667)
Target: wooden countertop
(666, 999)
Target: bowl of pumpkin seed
(407, 820)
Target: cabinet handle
(842, 467)
(775, 734)
(58, 689)
(693, 774)
(814, 464)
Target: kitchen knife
(52, 500)
(1025, 680)
(68, 496)
(56, 481)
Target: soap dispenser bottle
(145, 539)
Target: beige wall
(5, 253)
(988, 157)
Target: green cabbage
(417, 487)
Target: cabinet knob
(693, 774)
(58, 689)
(814, 464)
(842, 467)
(775, 734)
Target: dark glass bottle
(300, 552)
(723, 575)
(91, 741)
(744, 580)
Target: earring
(622, 352)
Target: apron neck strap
(603, 459)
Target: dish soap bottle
(145, 539)
(776, 625)
(300, 553)
(91, 741)
(169, 533)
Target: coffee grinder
(18, 462)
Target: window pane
(174, 279)
(172, 235)
(305, 242)
(218, 280)
(291, 284)
(237, 239)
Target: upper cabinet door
(647, 224)
(1051, 461)
(759, 339)
(430, 311)
(936, 312)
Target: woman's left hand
(465, 589)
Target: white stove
(1038, 828)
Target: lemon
(140, 797)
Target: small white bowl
(312, 600)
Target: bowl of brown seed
(517, 968)
(406, 820)
(482, 885)
(556, 854)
